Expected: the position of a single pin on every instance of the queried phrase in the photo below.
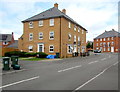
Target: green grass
(32, 59)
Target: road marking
(92, 62)
(103, 59)
(13, 71)
(115, 63)
(19, 82)
(93, 78)
(69, 68)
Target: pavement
(95, 72)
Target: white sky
(95, 15)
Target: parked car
(97, 51)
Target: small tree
(88, 45)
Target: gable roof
(14, 45)
(5, 37)
(111, 33)
(51, 13)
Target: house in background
(7, 43)
(109, 41)
(52, 31)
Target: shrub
(13, 53)
(41, 55)
(30, 54)
(20, 54)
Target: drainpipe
(60, 38)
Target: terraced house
(52, 31)
(109, 41)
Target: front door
(112, 49)
(40, 47)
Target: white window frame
(5, 43)
(108, 44)
(108, 38)
(69, 50)
(78, 29)
(104, 39)
(108, 48)
(69, 37)
(51, 35)
(42, 44)
(78, 38)
(51, 48)
(30, 37)
(112, 43)
(51, 22)
(40, 23)
(112, 38)
(74, 38)
(82, 31)
(69, 24)
(101, 39)
(30, 46)
(31, 24)
(40, 35)
(75, 27)
(96, 44)
(104, 49)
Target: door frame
(42, 46)
(112, 49)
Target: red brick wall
(116, 44)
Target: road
(96, 72)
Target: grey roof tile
(51, 13)
(14, 45)
(106, 34)
(5, 37)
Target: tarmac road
(96, 72)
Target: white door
(40, 47)
(112, 49)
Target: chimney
(56, 5)
(64, 11)
(113, 30)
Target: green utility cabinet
(6, 63)
(14, 60)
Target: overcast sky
(94, 15)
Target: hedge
(25, 54)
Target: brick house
(7, 43)
(108, 41)
(52, 31)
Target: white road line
(13, 72)
(69, 68)
(103, 59)
(19, 82)
(115, 63)
(92, 62)
(92, 78)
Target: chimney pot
(56, 5)
(64, 11)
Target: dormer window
(31, 24)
